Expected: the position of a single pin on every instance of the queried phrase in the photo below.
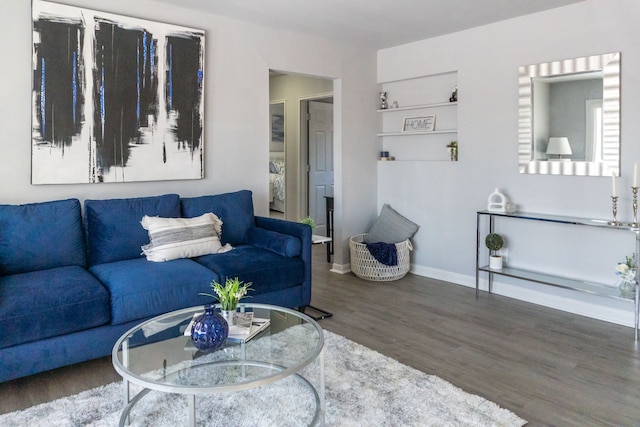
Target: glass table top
(158, 355)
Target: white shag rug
(363, 388)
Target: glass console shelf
(550, 279)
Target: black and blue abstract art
(114, 99)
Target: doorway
(295, 93)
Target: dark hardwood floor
(547, 366)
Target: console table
(549, 279)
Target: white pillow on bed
(174, 238)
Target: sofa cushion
(50, 303)
(140, 288)
(113, 226)
(173, 238)
(40, 236)
(266, 270)
(234, 209)
(281, 244)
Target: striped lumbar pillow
(173, 238)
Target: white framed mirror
(569, 117)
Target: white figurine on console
(497, 202)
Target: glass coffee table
(157, 355)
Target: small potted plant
(309, 221)
(494, 242)
(229, 296)
(453, 150)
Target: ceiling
(373, 23)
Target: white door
(320, 162)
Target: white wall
(443, 197)
(237, 127)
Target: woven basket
(365, 266)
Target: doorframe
(303, 132)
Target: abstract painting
(114, 99)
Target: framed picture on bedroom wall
(276, 110)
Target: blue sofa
(70, 285)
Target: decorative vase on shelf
(495, 262)
(627, 288)
(209, 330)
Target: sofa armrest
(296, 229)
(302, 232)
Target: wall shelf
(551, 279)
(418, 133)
(417, 107)
(419, 96)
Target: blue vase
(209, 330)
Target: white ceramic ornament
(497, 202)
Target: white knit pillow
(174, 238)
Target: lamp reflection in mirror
(558, 146)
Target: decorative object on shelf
(635, 224)
(395, 104)
(384, 155)
(419, 124)
(229, 295)
(494, 242)
(453, 151)
(209, 330)
(558, 146)
(634, 189)
(627, 272)
(383, 101)
(614, 202)
(510, 208)
(454, 95)
(496, 202)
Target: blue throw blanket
(384, 253)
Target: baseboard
(593, 306)
(340, 268)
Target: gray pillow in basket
(391, 227)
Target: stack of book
(247, 326)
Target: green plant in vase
(627, 272)
(494, 243)
(229, 296)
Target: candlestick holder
(614, 208)
(635, 224)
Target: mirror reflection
(570, 117)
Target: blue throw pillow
(234, 209)
(114, 232)
(281, 244)
(40, 236)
